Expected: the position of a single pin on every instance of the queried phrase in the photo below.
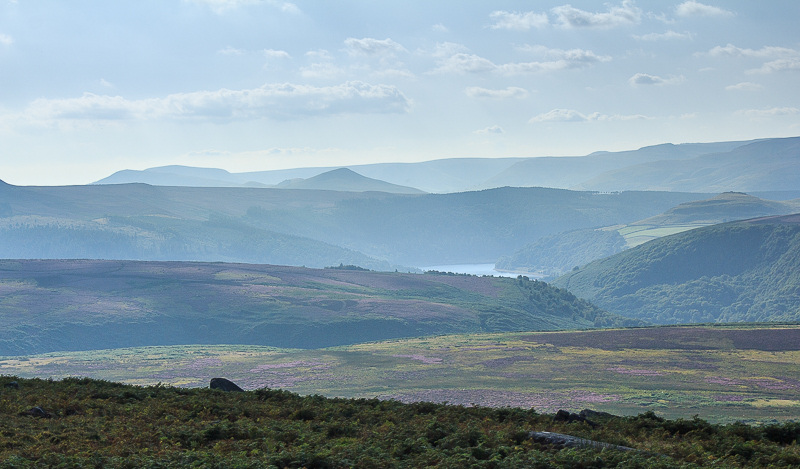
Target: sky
(90, 87)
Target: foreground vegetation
(722, 374)
(87, 423)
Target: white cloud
(440, 28)
(571, 115)
(744, 86)
(518, 21)
(767, 113)
(465, 63)
(276, 54)
(230, 51)
(446, 49)
(493, 130)
(647, 79)
(765, 52)
(6, 40)
(510, 92)
(321, 70)
(274, 101)
(106, 84)
(784, 58)
(372, 47)
(623, 15)
(562, 59)
(693, 8)
(779, 65)
(222, 6)
(667, 36)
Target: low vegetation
(88, 423)
(723, 374)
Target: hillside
(739, 271)
(302, 227)
(50, 305)
(765, 165)
(86, 423)
(344, 179)
(556, 254)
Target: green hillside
(739, 271)
(554, 255)
(50, 305)
(86, 423)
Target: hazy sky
(91, 87)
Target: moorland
(307, 280)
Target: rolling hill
(556, 254)
(302, 227)
(50, 305)
(738, 271)
(347, 180)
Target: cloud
(321, 70)
(276, 54)
(446, 49)
(570, 115)
(510, 92)
(561, 60)
(784, 58)
(667, 36)
(440, 28)
(780, 65)
(273, 101)
(6, 40)
(646, 79)
(465, 63)
(744, 86)
(765, 52)
(230, 51)
(518, 21)
(372, 47)
(767, 113)
(623, 15)
(221, 6)
(693, 8)
(493, 130)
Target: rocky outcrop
(224, 385)
(560, 440)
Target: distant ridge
(344, 179)
(753, 166)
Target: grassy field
(720, 373)
(637, 234)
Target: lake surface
(472, 269)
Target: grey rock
(225, 385)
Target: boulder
(225, 385)
(12, 385)
(37, 412)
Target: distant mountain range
(731, 272)
(749, 166)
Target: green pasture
(696, 371)
(639, 234)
